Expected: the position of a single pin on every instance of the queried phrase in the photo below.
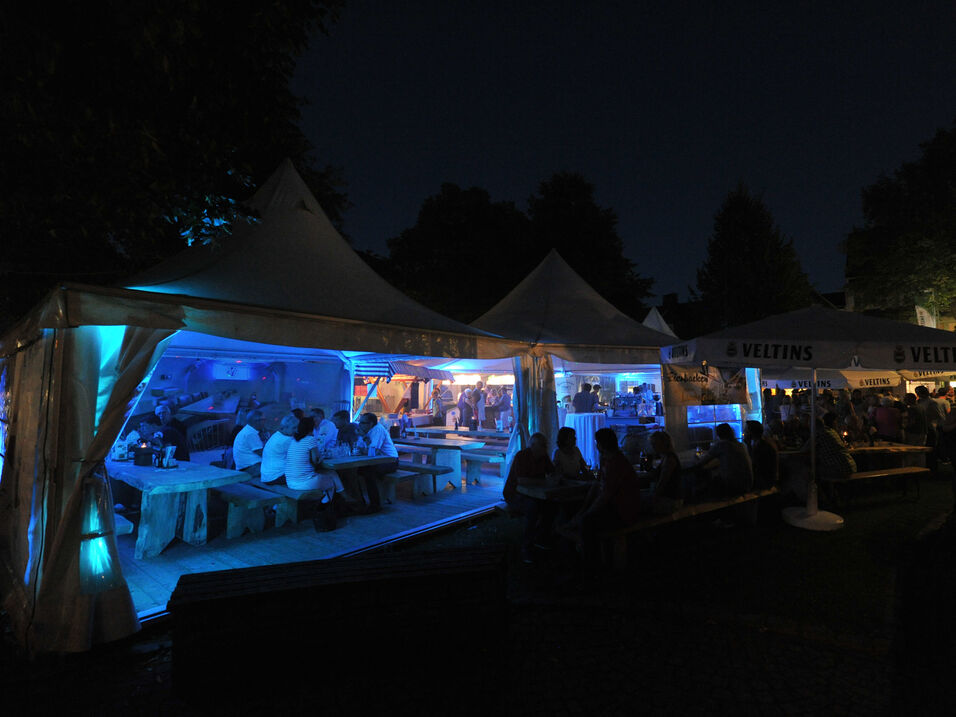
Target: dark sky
(664, 107)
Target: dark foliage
(752, 270)
(905, 252)
(466, 252)
(128, 126)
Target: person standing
(437, 408)
(935, 417)
(503, 406)
(581, 403)
(480, 399)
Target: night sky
(664, 107)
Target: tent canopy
(292, 259)
(554, 306)
(816, 337)
(655, 321)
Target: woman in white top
(275, 450)
(302, 461)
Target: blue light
(96, 564)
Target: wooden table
(900, 454)
(463, 432)
(345, 463)
(444, 452)
(210, 407)
(174, 502)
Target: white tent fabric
(821, 338)
(655, 321)
(554, 306)
(289, 280)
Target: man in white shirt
(480, 398)
(325, 431)
(274, 453)
(247, 448)
(379, 444)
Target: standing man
(480, 398)
(247, 448)
(379, 444)
(935, 417)
(581, 403)
(503, 406)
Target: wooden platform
(152, 580)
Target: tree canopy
(132, 128)
(905, 251)
(751, 270)
(466, 252)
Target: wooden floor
(151, 580)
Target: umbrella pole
(809, 517)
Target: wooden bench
(287, 511)
(913, 472)
(410, 471)
(494, 455)
(121, 525)
(247, 504)
(473, 463)
(617, 539)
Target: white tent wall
(86, 384)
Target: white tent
(655, 321)
(799, 378)
(69, 369)
(557, 313)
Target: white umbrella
(817, 338)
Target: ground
(765, 620)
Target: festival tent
(799, 378)
(819, 338)
(556, 313)
(655, 321)
(70, 368)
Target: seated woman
(668, 492)
(568, 461)
(302, 470)
(275, 450)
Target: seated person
(151, 429)
(666, 477)
(734, 472)
(275, 450)
(568, 461)
(325, 429)
(346, 432)
(379, 443)
(763, 456)
(531, 464)
(165, 415)
(614, 503)
(303, 459)
(247, 447)
(833, 457)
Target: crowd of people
(624, 489)
(478, 407)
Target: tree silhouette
(751, 270)
(130, 128)
(905, 250)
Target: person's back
(734, 467)
(886, 419)
(581, 403)
(765, 463)
(622, 485)
(834, 461)
(935, 413)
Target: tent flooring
(151, 581)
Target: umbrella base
(821, 520)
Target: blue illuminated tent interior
(282, 313)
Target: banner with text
(690, 386)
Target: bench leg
(238, 518)
(473, 472)
(386, 488)
(286, 511)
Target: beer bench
(287, 510)
(491, 454)
(905, 472)
(473, 462)
(410, 472)
(616, 540)
(247, 504)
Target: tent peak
(285, 189)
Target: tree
(132, 128)
(904, 253)
(747, 251)
(565, 216)
(463, 254)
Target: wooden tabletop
(464, 432)
(887, 447)
(347, 462)
(185, 477)
(439, 442)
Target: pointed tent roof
(553, 305)
(655, 321)
(292, 259)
